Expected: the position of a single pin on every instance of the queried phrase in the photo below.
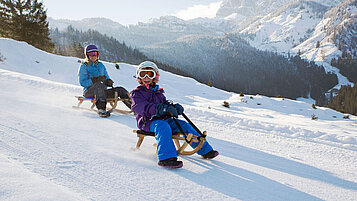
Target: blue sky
(130, 11)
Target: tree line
(25, 20)
(71, 42)
(347, 66)
(346, 100)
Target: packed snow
(270, 148)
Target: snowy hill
(270, 149)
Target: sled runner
(177, 137)
(188, 138)
(112, 101)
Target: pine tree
(25, 20)
(75, 50)
(346, 100)
(299, 53)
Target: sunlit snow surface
(270, 148)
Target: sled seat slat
(176, 137)
(112, 101)
(92, 99)
(82, 97)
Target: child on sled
(155, 114)
(94, 79)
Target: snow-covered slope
(270, 148)
(301, 27)
(287, 27)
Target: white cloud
(196, 11)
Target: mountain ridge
(285, 38)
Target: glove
(162, 109)
(109, 82)
(179, 108)
(98, 79)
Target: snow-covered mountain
(285, 28)
(299, 26)
(310, 29)
(277, 25)
(335, 33)
(249, 8)
(270, 148)
(166, 28)
(282, 26)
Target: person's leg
(97, 91)
(122, 93)
(163, 134)
(189, 129)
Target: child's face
(147, 81)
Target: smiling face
(146, 76)
(147, 81)
(92, 56)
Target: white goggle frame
(146, 75)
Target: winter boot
(100, 104)
(211, 154)
(170, 163)
(103, 113)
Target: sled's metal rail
(188, 139)
(112, 101)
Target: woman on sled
(155, 114)
(94, 79)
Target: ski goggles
(92, 54)
(147, 73)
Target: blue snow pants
(164, 129)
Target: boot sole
(214, 156)
(172, 166)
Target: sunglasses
(92, 54)
(147, 73)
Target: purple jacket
(144, 102)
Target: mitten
(109, 82)
(179, 108)
(162, 109)
(98, 79)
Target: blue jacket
(87, 70)
(144, 102)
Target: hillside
(270, 149)
(231, 64)
(165, 28)
(317, 30)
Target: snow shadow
(246, 185)
(241, 183)
(277, 163)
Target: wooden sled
(176, 137)
(112, 101)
